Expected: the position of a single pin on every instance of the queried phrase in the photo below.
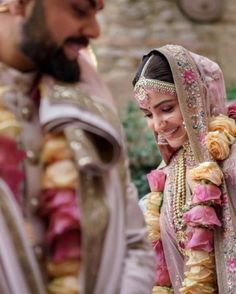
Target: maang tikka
(144, 85)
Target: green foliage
(142, 150)
(231, 93)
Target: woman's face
(164, 117)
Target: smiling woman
(164, 117)
(183, 98)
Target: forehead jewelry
(144, 85)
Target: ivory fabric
(122, 258)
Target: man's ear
(17, 7)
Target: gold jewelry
(179, 192)
(143, 84)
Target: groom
(69, 217)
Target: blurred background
(130, 28)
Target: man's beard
(50, 59)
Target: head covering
(201, 94)
(200, 89)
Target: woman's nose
(159, 125)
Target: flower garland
(11, 155)
(200, 219)
(58, 201)
(153, 202)
(221, 136)
(231, 110)
(201, 216)
(60, 210)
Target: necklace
(185, 158)
(179, 196)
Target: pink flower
(52, 199)
(202, 137)
(200, 239)
(64, 219)
(232, 264)
(232, 110)
(189, 76)
(66, 246)
(201, 215)
(61, 212)
(162, 275)
(10, 155)
(206, 192)
(156, 180)
(10, 158)
(224, 198)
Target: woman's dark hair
(157, 69)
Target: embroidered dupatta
(201, 93)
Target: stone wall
(132, 27)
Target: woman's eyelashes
(167, 108)
(147, 114)
(162, 109)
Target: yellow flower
(55, 148)
(197, 257)
(223, 123)
(64, 285)
(200, 274)
(9, 125)
(161, 290)
(153, 202)
(218, 144)
(193, 287)
(65, 268)
(61, 174)
(209, 171)
(153, 226)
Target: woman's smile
(164, 117)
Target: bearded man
(69, 218)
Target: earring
(161, 140)
(184, 125)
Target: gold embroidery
(74, 95)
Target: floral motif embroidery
(232, 264)
(59, 209)
(200, 261)
(189, 77)
(188, 74)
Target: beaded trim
(143, 84)
(179, 192)
(179, 198)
